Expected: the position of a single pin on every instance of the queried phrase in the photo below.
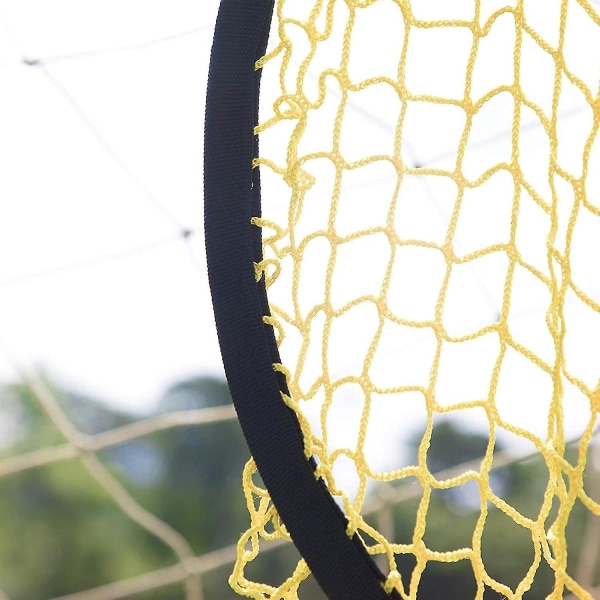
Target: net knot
(298, 178)
(83, 443)
(269, 267)
(393, 581)
(289, 107)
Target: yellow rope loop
(270, 268)
(394, 582)
(278, 232)
(279, 330)
(298, 179)
(289, 107)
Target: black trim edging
(340, 564)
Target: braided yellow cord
(506, 218)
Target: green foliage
(61, 532)
(507, 548)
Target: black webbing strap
(340, 564)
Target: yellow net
(431, 221)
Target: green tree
(507, 548)
(59, 528)
(62, 532)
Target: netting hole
(385, 18)
(575, 124)
(534, 154)
(281, 288)
(271, 563)
(582, 41)
(365, 133)
(524, 393)
(319, 127)
(424, 206)
(404, 356)
(432, 134)
(494, 63)
(507, 551)
(533, 228)
(529, 303)
(466, 369)
(440, 74)
(582, 538)
(355, 273)
(352, 330)
(582, 341)
(391, 415)
(313, 410)
(491, 122)
(410, 262)
(346, 476)
(458, 441)
(274, 203)
(529, 473)
(405, 514)
(452, 505)
(544, 19)
(312, 280)
(577, 411)
(310, 369)
(485, 214)
(592, 478)
(448, 580)
(364, 200)
(592, 180)
(536, 74)
(586, 243)
(344, 416)
(311, 213)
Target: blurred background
(120, 457)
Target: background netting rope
(187, 567)
(430, 218)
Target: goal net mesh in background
(431, 229)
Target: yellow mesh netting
(431, 223)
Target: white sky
(120, 328)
